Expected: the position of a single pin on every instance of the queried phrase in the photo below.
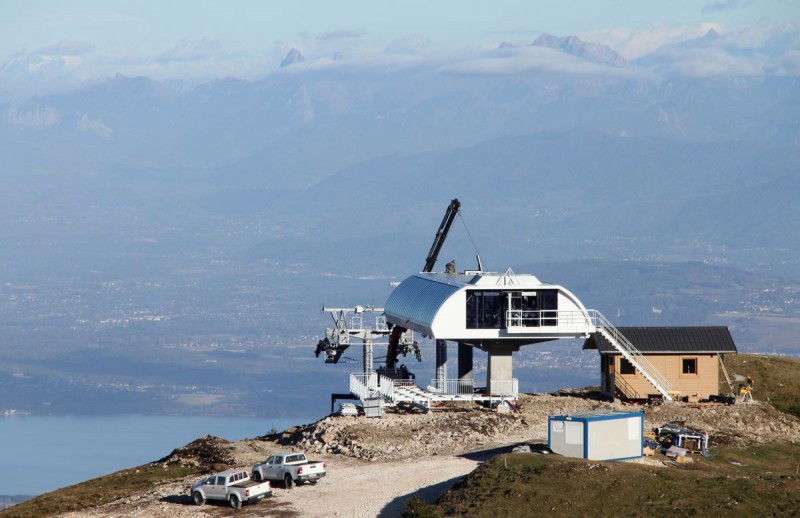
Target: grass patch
(532, 485)
(101, 490)
(777, 380)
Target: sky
(57, 42)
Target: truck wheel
(235, 502)
(198, 498)
(257, 476)
(287, 480)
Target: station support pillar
(441, 363)
(465, 365)
(499, 374)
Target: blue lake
(43, 453)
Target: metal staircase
(632, 354)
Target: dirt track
(353, 488)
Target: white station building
(493, 312)
(496, 313)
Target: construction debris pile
(735, 425)
(676, 442)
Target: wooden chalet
(688, 357)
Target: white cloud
(417, 44)
(200, 50)
(722, 5)
(635, 43)
(86, 123)
(341, 35)
(524, 59)
(790, 64)
(715, 62)
(66, 48)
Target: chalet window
(626, 367)
(689, 365)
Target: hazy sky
(149, 26)
(46, 45)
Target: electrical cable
(468, 234)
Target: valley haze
(182, 188)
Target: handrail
(631, 353)
(370, 385)
(452, 387)
(547, 318)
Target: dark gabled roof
(707, 339)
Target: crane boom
(441, 234)
(433, 255)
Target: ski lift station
(493, 312)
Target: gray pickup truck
(233, 485)
(291, 468)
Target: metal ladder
(632, 354)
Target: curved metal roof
(415, 302)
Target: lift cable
(468, 234)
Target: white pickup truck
(291, 468)
(233, 485)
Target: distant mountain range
(294, 129)
(292, 57)
(575, 46)
(572, 147)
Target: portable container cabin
(601, 435)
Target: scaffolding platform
(394, 391)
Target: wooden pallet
(709, 404)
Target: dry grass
(100, 490)
(777, 380)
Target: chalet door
(607, 377)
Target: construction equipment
(450, 214)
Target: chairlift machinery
(350, 328)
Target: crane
(433, 254)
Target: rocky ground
(454, 429)
(375, 465)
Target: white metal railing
(524, 320)
(591, 320)
(363, 385)
(386, 387)
(452, 387)
(631, 353)
(380, 323)
(372, 385)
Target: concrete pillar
(499, 372)
(465, 364)
(441, 363)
